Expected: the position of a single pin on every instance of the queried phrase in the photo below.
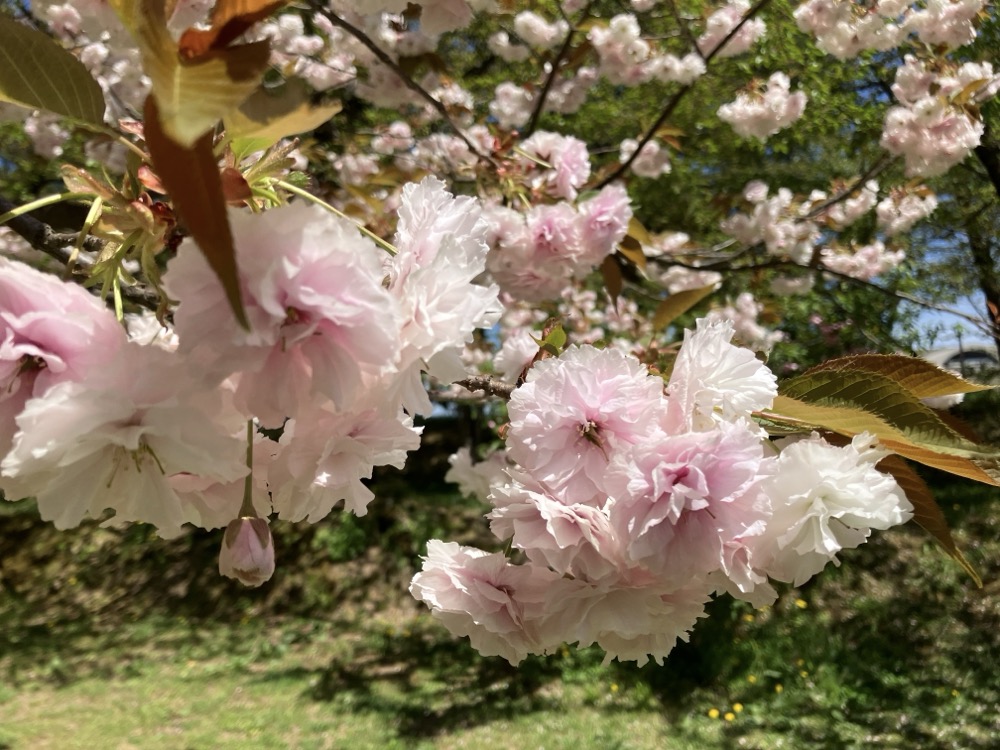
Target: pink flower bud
(247, 552)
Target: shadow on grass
(896, 646)
(430, 683)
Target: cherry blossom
(763, 111)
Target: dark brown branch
(488, 385)
(676, 100)
(790, 264)
(567, 44)
(685, 28)
(876, 169)
(59, 245)
(988, 153)
(385, 59)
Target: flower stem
(48, 200)
(246, 509)
(320, 202)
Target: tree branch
(685, 28)
(677, 98)
(536, 113)
(777, 263)
(988, 153)
(876, 169)
(58, 245)
(385, 59)
(488, 385)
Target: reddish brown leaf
(191, 177)
(925, 510)
(234, 187)
(230, 19)
(613, 281)
(149, 180)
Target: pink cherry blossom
(630, 622)
(498, 605)
(433, 278)
(476, 479)
(575, 412)
(722, 22)
(115, 439)
(325, 454)
(50, 332)
(555, 529)
(604, 222)
(825, 498)
(763, 112)
(319, 315)
(568, 158)
(247, 552)
(714, 381)
(679, 500)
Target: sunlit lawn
(895, 649)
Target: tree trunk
(981, 246)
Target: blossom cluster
(154, 427)
(763, 111)
(931, 127)
(844, 29)
(632, 505)
(790, 227)
(534, 256)
(629, 501)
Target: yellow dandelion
(954, 693)
(614, 687)
(729, 716)
(803, 673)
(738, 707)
(713, 713)
(778, 688)
(801, 603)
(748, 617)
(752, 679)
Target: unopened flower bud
(247, 552)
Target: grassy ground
(117, 640)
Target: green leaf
(632, 250)
(880, 395)
(557, 338)
(850, 420)
(918, 376)
(677, 304)
(195, 90)
(36, 72)
(268, 116)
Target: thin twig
(488, 385)
(776, 263)
(676, 100)
(59, 245)
(685, 28)
(536, 113)
(415, 87)
(876, 169)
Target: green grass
(117, 640)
